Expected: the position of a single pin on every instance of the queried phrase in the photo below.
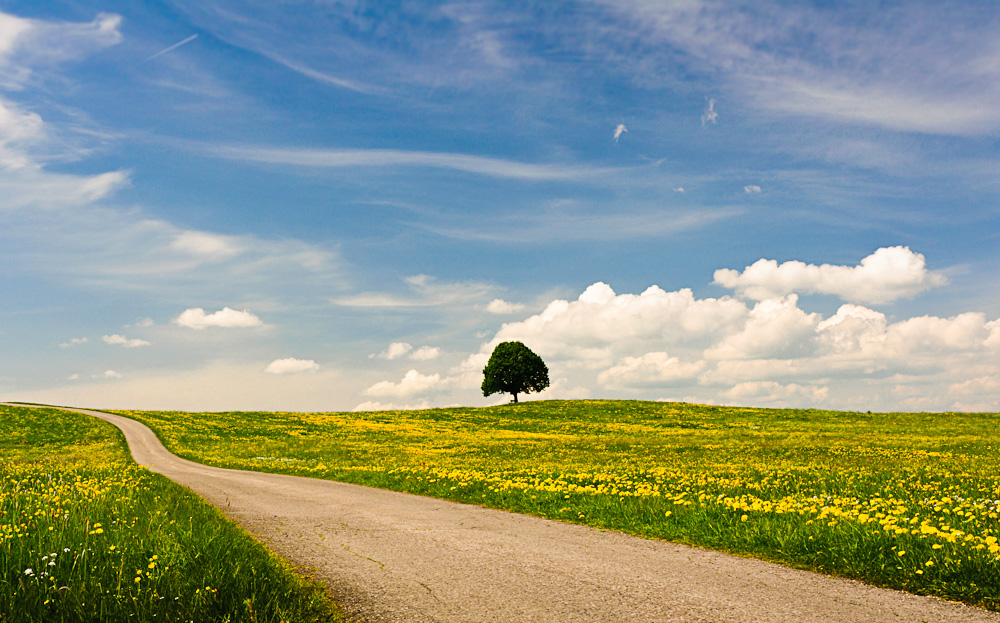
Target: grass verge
(87, 535)
(902, 500)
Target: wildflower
(29, 571)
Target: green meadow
(903, 500)
(87, 535)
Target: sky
(321, 205)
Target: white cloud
(32, 42)
(145, 323)
(500, 306)
(394, 351)
(886, 275)
(769, 393)
(774, 329)
(656, 368)
(76, 341)
(621, 129)
(204, 244)
(111, 374)
(425, 291)
(413, 383)
(774, 353)
(42, 228)
(679, 189)
(121, 340)
(710, 115)
(196, 318)
(977, 386)
(370, 405)
(752, 189)
(465, 163)
(425, 353)
(291, 366)
(173, 47)
(901, 71)
(398, 350)
(601, 327)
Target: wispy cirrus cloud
(564, 223)
(424, 291)
(465, 163)
(27, 43)
(910, 70)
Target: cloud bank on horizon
(235, 205)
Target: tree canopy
(514, 369)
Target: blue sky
(339, 205)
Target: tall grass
(87, 535)
(904, 500)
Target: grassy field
(87, 535)
(903, 500)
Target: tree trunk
(515, 397)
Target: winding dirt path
(397, 557)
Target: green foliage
(514, 369)
(869, 496)
(88, 535)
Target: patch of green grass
(87, 535)
(903, 500)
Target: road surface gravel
(396, 557)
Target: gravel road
(397, 557)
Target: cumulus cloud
(621, 129)
(291, 366)
(394, 351)
(657, 368)
(770, 393)
(601, 327)
(774, 329)
(76, 341)
(771, 354)
(413, 383)
(111, 374)
(888, 274)
(196, 318)
(425, 353)
(751, 189)
(500, 306)
(121, 340)
(399, 350)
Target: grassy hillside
(87, 535)
(904, 500)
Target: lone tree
(514, 369)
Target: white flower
(28, 571)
